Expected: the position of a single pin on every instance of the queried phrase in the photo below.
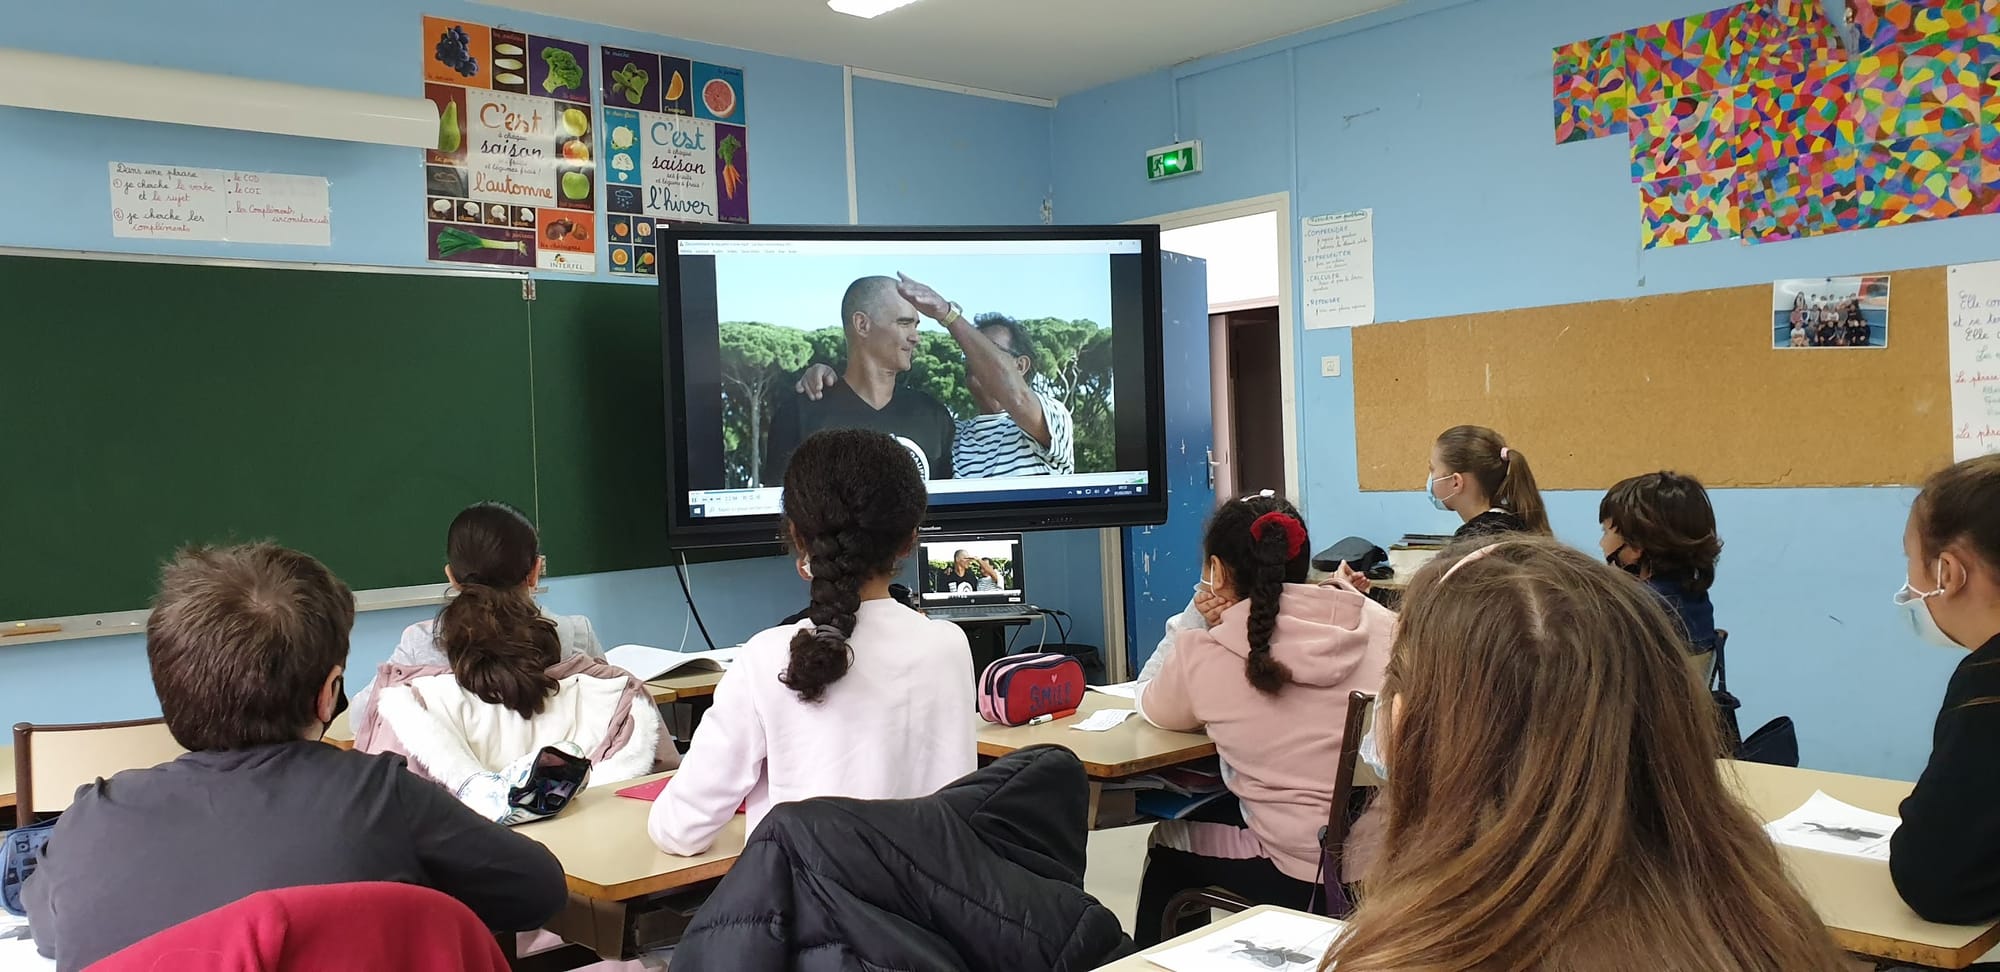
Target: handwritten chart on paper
(1975, 359)
(166, 202)
(1337, 258)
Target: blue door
(1163, 563)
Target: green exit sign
(1173, 160)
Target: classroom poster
(512, 182)
(173, 202)
(1830, 312)
(676, 149)
(1337, 266)
(1974, 339)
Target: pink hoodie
(1282, 750)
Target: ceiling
(1040, 48)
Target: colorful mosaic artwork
(1798, 196)
(1771, 39)
(1988, 178)
(1590, 88)
(1904, 91)
(1687, 209)
(1684, 135)
(1923, 178)
(1877, 24)
(1681, 57)
(1792, 114)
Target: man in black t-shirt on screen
(882, 340)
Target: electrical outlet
(1329, 366)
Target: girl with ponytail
(472, 698)
(1269, 681)
(1477, 475)
(864, 697)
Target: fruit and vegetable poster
(512, 181)
(675, 147)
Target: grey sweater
(149, 849)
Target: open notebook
(648, 663)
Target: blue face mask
(1430, 490)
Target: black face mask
(339, 703)
(1612, 559)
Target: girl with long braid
(1269, 680)
(863, 698)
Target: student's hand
(926, 300)
(1211, 605)
(1352, 578)
(816, 380)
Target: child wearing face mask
(1269, 681)
(1475, 474)
(1945, 857)
(1660, 528)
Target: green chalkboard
(144, 406)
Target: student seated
(1660, 528)
(246, 646)
(866, 698)
(1945, 857)
(467, 548)
(1555, 803)
(1475, 474)
(476, 723)
(1270, 683)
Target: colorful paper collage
(1791, 115)
(1683, 136)
(1687, 209)
(1590, 88)
(1878, 24)
(1924, 178)
(1905, 91)
(1798, 196)
(1681, 57)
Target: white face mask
(1371, 748)
(1918, 604)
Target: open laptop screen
(972, 569)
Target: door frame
(1280, 203)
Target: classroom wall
(923, 158)
(1437, 115)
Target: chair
(1703, 665)
(1349, 778)
(51, 762)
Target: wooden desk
(1855, 897)
(1129, 750)
(341, 733)
(1406, 563)
(681, 688)
(1138, 963)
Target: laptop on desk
(974, 577)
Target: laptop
(974, 577)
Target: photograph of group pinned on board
(1830, 312)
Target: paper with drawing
(1825, 824)
(1274, 941)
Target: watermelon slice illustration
(719, 98)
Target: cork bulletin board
(1595, 392)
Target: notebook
(651, 791)
(647, 663)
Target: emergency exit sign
(1180, 159)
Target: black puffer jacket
(987, 874)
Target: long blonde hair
(1556, 805)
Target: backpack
(1775, 743)
(18, 855)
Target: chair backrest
(50, 762)
(1351, 775)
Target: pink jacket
(1282, 750)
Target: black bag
(1355, 552)
(1776, 743)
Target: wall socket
(1329, 366)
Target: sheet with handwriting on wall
(1974, 338)
(171, 202)
(1337, 265)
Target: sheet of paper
(1123, 690)
(1974, 339)
(269, 207)
(169, 202)
(1104, 720)
(1826, 824)
(648, 663)
(1270, 942)
(1337, 262)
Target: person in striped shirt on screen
(1022, 428)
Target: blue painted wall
(927, 157)
(1437, 115)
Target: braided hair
(1263, 544)
(853, 502)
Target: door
(1256, 408)
(1162, 563)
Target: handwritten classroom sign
(512, 181)
(676, 149)
(169, 202)
(1337, 267)
(1975, 358)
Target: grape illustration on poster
(675, 148)
(512, 181)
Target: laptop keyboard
(980, 611)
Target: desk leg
(1096, 794)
